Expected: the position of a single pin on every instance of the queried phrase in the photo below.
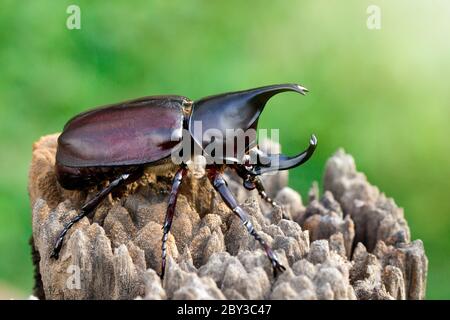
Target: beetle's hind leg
(90, 206)
(221, 187)
(169, 214)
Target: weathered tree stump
(351, 243)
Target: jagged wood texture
(351, 243)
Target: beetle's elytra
(117, 143)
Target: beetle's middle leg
(89, 206)
(221, 187)
(178, 178)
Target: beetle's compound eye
(197, 166)
(247, 162)
(251, 159)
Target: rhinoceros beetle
(118, 143)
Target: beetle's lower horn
(279, 162)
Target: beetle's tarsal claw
(278, 269)
(55, 254)
(57, 248)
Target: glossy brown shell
(131, 133)
(225, 113)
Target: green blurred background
(383, 94)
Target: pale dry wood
(351, 243)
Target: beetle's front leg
(252, 182)
(263, 194)
(220, 185)
(169, 214)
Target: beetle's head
(221, 122)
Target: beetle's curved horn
(279, 162)
(234, 110)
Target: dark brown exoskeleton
(117, 143)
